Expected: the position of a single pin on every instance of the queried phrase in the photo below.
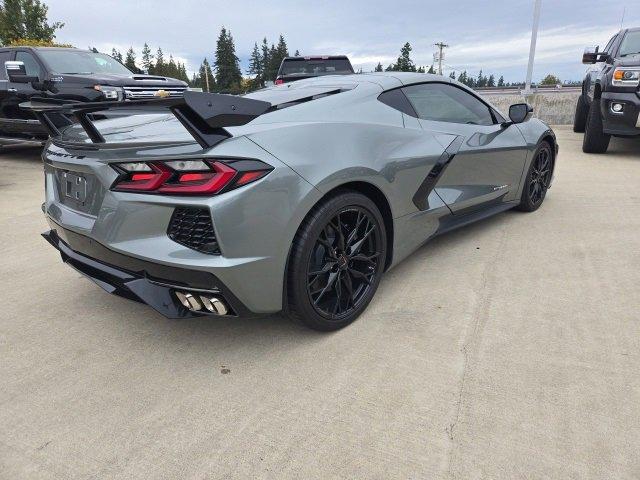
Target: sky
(482, 34)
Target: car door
(22, 92)
(486, 161)
(5, 88)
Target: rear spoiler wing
(204, 115)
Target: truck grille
(192, 227)
(139, 92)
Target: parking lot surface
(508, 349)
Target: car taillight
(279, 81)
(188, 177)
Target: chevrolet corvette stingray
(294, 199)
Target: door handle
(12, 90)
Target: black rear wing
(204, 115)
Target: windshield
(316, 67)
(81, 62)
(630, 44)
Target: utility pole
(441, 46)
(206, 76)
(534, 39)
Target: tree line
(25, 22)
(404, 63)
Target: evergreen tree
(452, 75)
(462, 77)
(116, 54)
(501, 81)
(297, 54)
(378, 67)
(228, 74)
(265, 60)
(130, 60)
(492, 81)
(432, 70)
(421, 70)
(93, 49)
(404, 63)
(273, 66)
(25, 20)
(481, 81)
(172, 68)
(208, 81)
(255, 62)
(159, 67)
(147, 58)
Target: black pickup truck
(610, 101)
(67, 74)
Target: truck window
(30, 64)
(631, 43)
(4, 57)
(609, 46)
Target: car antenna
(624, 11)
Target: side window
(4, 57)
(609, 46)
(445, 103)
(30, 64)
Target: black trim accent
(397, 99)
(115, 272)
(203, 114)
(421, 197)
(473, 214)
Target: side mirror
(519, 113)
(17, 73)
(593, 55)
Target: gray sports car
(294, 198)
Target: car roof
(386, 80)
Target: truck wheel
(580, 118)
(595, 140)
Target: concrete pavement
(508, 349)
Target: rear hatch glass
(314, 67)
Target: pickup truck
(299, 68)
(610, 101)
(70, 75)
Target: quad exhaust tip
(197, 302)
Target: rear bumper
(139, 280)
(625, 123)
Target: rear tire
(336, 262)
(595, 140)
(580, 117)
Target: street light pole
(534, 39)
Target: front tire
(580, 117)
(595, 140)
(337, 259)
(538, 179)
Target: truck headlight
(626, 77)
(110, 93)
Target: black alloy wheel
(538, 179)
(343, 262)
(337, 260)
(540, 176)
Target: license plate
(74, 186)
